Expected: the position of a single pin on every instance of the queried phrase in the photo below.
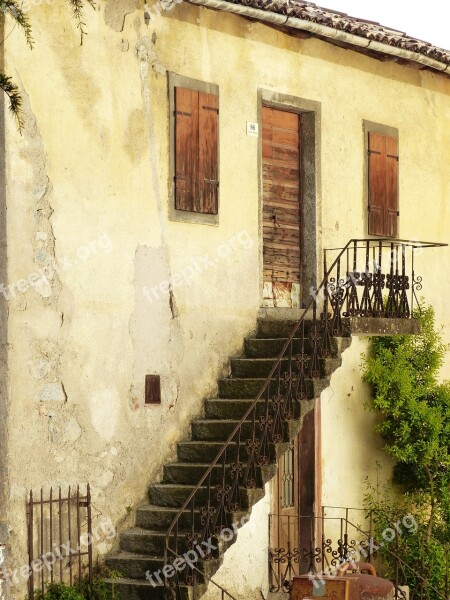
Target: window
(383, 183)
(195, 148)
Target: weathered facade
(106, 279)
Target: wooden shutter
(186, 148)
(392, 186)
(207, 201)
(196, 151)
(383, 185)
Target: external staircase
(369, 286)
(142, 547)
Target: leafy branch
(77, 13)
(15, 99)
(13, 9)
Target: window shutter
(186, 148)
(207, 200)
(383, 185)
(391, 186)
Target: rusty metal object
(371, 587)
(327, 588)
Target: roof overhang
(393, 46)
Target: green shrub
(59, 591)
(99, 590)
(414, 410)
(421, 559)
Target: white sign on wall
(252, 129)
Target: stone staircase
(142, 547)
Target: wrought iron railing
(367, 278)
(328, 543)
(337, 541)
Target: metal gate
(59, 538)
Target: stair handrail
(309, 305)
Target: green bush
(99, 590)
(59, 591)
(421, 559)
(414, 410)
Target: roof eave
(329, 33)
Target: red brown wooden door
(295, 496)
(281, 207)
(284, 520)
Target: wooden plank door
(281, 144)
(284, 520)
(294, 529)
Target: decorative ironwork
(287, 558)
(380, 282)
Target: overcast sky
(428, 20)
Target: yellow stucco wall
(93, 161)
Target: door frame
(310, 183)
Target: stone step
(234, 409)
(141, 566)
(271, 347)
(158, 518)
(221, 429)
(134, 566)
(275, 328)
(188, 473)
(147, 542)
(174, 495)
(261, 367)
(135, 589)
(230, 387)
(206, 452)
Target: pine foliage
(14, 10)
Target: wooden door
(294, 528)
(284, 521)
(281, 144)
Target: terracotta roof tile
(356, 26)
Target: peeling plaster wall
(87, 188)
